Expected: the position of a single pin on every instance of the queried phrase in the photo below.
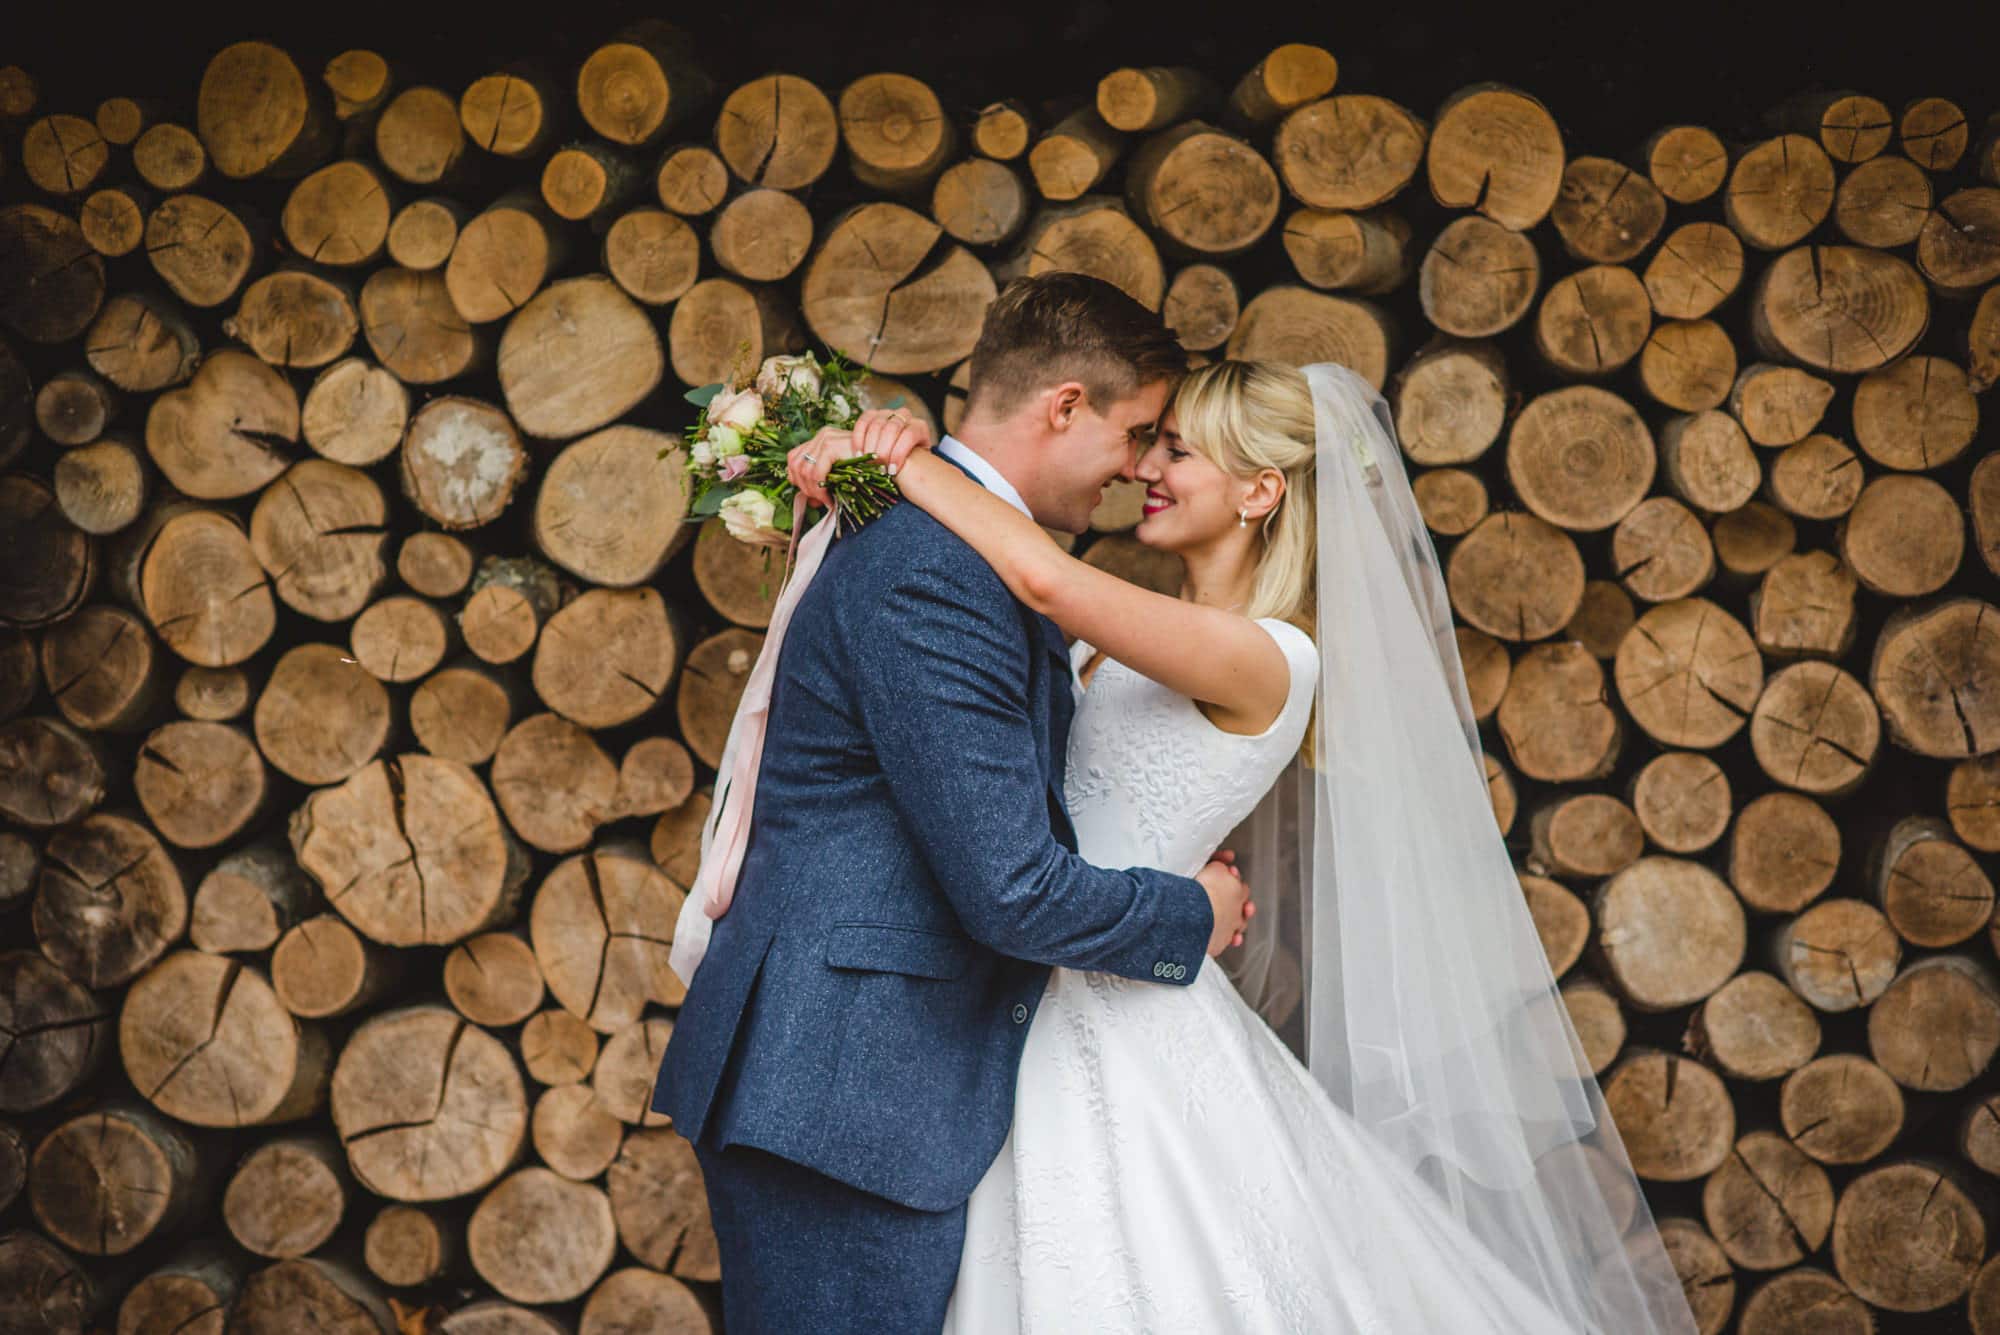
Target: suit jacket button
(1180, 971)
(1159, 970)
(1020, 1013)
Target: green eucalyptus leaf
(705, 395)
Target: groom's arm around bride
(845, 1059)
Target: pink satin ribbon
(726, 836)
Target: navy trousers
(802, 1252)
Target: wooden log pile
(361, 683)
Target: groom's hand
(1228, 900)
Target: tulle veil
(1393, 941)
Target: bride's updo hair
(1247, 416)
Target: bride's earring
(1243, 519)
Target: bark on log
(1290, 76)
(1930, 888)
(1583, 835)
(428, 1106)
(511, 599)
(1074, 155)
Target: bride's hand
(889, 434)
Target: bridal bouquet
(737, 450)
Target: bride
(1443, 1159)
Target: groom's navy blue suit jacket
(910, 878)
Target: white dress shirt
(989, 477)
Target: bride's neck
(1221, 576)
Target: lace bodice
(1152, 783)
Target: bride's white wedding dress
(1172, 1166)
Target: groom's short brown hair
(1061, 326)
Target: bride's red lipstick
(1155, 502)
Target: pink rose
(735, 466)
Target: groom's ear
(1065, 403)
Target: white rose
(725, 441)
(778, 374)
(748, 516)
(702, 454)
(742, 410)
(840, 407)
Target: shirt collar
(956, 450)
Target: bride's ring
(808, 458)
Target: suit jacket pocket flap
(891, 949)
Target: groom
(845, 1060)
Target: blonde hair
(1244, 417)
